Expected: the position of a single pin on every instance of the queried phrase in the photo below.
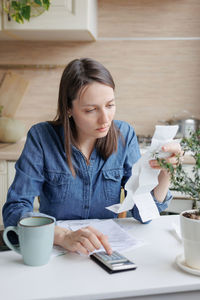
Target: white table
(74, 277)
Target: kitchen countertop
(12, 151)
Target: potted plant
(188, 184)
(25, 9)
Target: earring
(69, 116)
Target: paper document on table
(58, 251)
(119, 239)
(71, 224)
(144, 178)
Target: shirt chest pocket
(56, 186)
(112, 185)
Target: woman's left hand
(174, 150)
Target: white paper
(70, 224)
(57, 251)
(144, 178)
(119, 239)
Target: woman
(77, 163)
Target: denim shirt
(42, 171)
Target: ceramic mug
(36, 235)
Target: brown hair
(78, 74)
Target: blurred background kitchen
(151, 47)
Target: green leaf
(5, 9)
(181, 180)
(46, 4)
(39, 2)
(26, 12)
(1, 109)
(18, 18)
(24, 2)
(22, 9)
(15, 5)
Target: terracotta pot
(11, 130)
(190, 231)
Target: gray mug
(36, 235)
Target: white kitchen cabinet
(178, 205)
(3, 185)
(7, 174)
(11, 172)
(66, 20)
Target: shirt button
(86, 182)
(86, 206)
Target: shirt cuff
(162, 205)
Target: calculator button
(104, 256)
(113, 258)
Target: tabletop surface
(72, 276)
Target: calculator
(113, 263)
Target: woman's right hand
(84, 240)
